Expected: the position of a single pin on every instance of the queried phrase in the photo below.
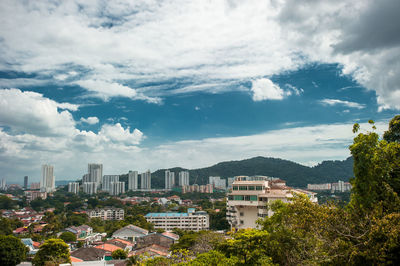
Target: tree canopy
(12, 250)
(52, 250)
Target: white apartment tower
(217, 182)
(169, 179)
(117, 188)
(73, 187)
(95, 173)
(47, 183)
(184, 178)
(90, 188)
(145, 180)
(106, 182)
(133, 180)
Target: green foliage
(157, 261)
(213, 258)
(8, 225)
(6, 203)
(12, 251)
(119, 254)
(54, 251)
(68, 237)
(133, 260)
(393, 134)
(376, 171)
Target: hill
(294, 174)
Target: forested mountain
(294, 174)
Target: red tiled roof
(73, 259)
(108, 247)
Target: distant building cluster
(198, 188)
(107, 214)
(340, 186)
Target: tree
(68, 237)
(12, 250)
(214, 258)
(133, 260)
(119, 254)
(393, 134)
(53, 251)
(6, 203)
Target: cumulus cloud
(30, 112)
(91, 120)
(332, 102)
(117, 133)
(199, 41)
(265, 89)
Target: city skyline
(156, 85)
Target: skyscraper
(133, 180)
(184, 178)
(117, 188)
(106, 183)
(3, 184)
(169, 179)
(95, 173)
(47, 184)
(90, 188)
(26, 182)
(73, 187)
(145, 180)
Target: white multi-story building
(217, 182)
(32, 195)
(47, 183)
(145, 180)
(193, 221)
(73, 187)
(249, 198)
(117, 188)
(107, 213)
(106, 182)
(133, 180)
(3, 184)
(326, 186)
(169, 179)
(95, 173)
(183, 178)
(90, 188)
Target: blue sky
(157, 84)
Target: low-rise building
(194, 221)
(130, 232)
(107, 213)
(34, 194)
(250, 196)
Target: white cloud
(117, 133)
(265, 89)
(333, 102)
(30, 112)
(91, 120)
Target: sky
(139, 85)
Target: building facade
(73, 187)
(47, 183)
(95, 173)
(133, 180)
(26, 182)
(184, 178)
(250, 196)
(169, 179)
(107, 180)
(193, 221)
(32, 195)
(217, 182)
(117, 188)
(90, 188)
(145, 180)
(107, 213)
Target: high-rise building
(169, 179)
(133, 180)
(90, 188)
(145, 180)
(217, 182)
(184, 178)
(35, 185)
(3, 184)
(95, 172)
(106, 183)
(47, 184)
(73, 187)
(26, 182)
(117, 188)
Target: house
(80, 231)
(124, 244)
(32, 245)
(151, 251)
(89, 254)
(109, 213)
(130, 232)
(163, 240)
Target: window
(253, 198)
(259, 188)
(237, 197)
(251, 188)
(243, 188)
(247, 197)
(241, 214)
(241, 222)
(235, 187)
